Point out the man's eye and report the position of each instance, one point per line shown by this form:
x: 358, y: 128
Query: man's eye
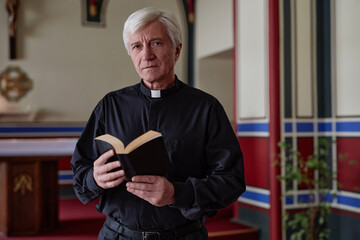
x: 157, y: 43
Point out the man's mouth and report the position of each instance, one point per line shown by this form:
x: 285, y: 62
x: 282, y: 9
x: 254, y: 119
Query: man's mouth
x: 148, y: 67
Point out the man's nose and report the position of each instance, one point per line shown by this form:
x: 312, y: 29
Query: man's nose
x: 148, y: 54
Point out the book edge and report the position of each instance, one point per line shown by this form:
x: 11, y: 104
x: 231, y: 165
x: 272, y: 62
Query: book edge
x: 142, y: 139
x: 116, y: 143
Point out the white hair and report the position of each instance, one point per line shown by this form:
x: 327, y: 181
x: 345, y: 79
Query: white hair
x: 143, y: 17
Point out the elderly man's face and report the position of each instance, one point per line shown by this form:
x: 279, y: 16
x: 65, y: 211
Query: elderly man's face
x: 154, y: 55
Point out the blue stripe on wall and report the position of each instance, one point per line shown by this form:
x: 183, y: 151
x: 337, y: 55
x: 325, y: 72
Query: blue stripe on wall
x: 304, y: 127
x: 329, y: 198
x: 341, y: 199
x: 288, y: 127
x: 304, y: 198
x: 253, y: 127
x: 289, y: 200
x: 324, y: 127
x: 349, y: 201
x: 40, y: 129
x: 256, y: 196
x: 348, y: 127
x: 65, y: 177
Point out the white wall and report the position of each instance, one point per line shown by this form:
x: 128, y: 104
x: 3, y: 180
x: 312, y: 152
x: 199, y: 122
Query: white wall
x: 347, y: 55
x: 214, y: 27
x: 73, y: 66
x: 213, y: 50
x: 215, y: 75
x: 252, y: 59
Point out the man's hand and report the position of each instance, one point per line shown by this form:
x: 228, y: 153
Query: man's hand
x: 102, y: 176
x: 155, y: 189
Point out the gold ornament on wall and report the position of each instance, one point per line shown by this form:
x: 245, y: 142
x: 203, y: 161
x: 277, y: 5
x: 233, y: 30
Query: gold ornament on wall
x: 93, y: 12
x: 14, y: 84
x: 23, y: 183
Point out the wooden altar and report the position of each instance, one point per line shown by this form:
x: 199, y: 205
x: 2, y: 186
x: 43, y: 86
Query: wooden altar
x: 29, y: 191
x: 28, y: 195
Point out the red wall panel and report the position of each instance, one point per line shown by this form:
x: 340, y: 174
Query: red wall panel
x: 256, y: 161
x: 349, y: 175
x: 64, y: 163
x: 305, y: 146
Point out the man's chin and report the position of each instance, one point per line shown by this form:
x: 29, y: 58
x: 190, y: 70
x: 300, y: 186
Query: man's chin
x: 150, y: 81
x: 150, y: 78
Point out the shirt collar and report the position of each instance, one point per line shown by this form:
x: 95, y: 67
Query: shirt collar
x: 159, y: 93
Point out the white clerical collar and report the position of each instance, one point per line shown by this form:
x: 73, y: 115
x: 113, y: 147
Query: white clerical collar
x: 155, y: 93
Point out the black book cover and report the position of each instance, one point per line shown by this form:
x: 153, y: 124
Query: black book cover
x: 149, y: 158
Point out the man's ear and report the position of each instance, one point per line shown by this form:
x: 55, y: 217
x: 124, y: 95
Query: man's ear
x: 177, y: 51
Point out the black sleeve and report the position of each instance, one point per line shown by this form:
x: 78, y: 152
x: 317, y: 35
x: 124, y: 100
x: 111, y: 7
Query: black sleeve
x: 224, y: 182
x: 84, y: 156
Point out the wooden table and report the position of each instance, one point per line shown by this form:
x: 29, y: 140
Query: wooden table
x: 29, y: 194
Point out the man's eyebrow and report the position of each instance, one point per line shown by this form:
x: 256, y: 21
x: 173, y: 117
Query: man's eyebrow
x: 151, y: 40
x: 135, y: 43
x: 156, y: 39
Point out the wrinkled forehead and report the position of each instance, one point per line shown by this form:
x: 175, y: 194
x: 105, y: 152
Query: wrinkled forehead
x: 151, y: 30
x: 141, y: 26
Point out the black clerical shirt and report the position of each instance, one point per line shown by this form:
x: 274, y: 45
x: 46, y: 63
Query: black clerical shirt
x: 205, y: 155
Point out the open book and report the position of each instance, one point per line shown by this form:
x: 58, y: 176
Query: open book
x: 145, y: 155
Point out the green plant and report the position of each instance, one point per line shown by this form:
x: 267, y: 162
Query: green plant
x: 314, y: 175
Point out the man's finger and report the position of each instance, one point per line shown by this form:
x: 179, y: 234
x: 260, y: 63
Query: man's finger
x: 109, y: 180
x: 113, y: 175
x: 140, y: 193
x: 104, y: 157
x: 139, y: 186
x: 111, y: 166
x: 114, y: 183
x: 144, y: 179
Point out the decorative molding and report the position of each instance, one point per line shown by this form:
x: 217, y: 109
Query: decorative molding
x: 23, y: 183
x: 65, y: 177
x: 252, y: 64
x: 258, y: 197
x: 40, y: 130
x: 37, y: 147
x: 344, y: 200
x: 322, y: 127
x: 346, y: 55
x: 253, y: 129
x: 303, y: 54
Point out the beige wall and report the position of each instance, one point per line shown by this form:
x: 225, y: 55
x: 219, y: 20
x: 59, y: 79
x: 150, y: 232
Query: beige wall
x: 214, y: 27
x: 214, y: 50
x: 215, y: 76
x: 73, y: 66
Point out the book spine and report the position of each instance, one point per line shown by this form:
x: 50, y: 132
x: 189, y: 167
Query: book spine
x: 104, y: 147
x: 127, y: 165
